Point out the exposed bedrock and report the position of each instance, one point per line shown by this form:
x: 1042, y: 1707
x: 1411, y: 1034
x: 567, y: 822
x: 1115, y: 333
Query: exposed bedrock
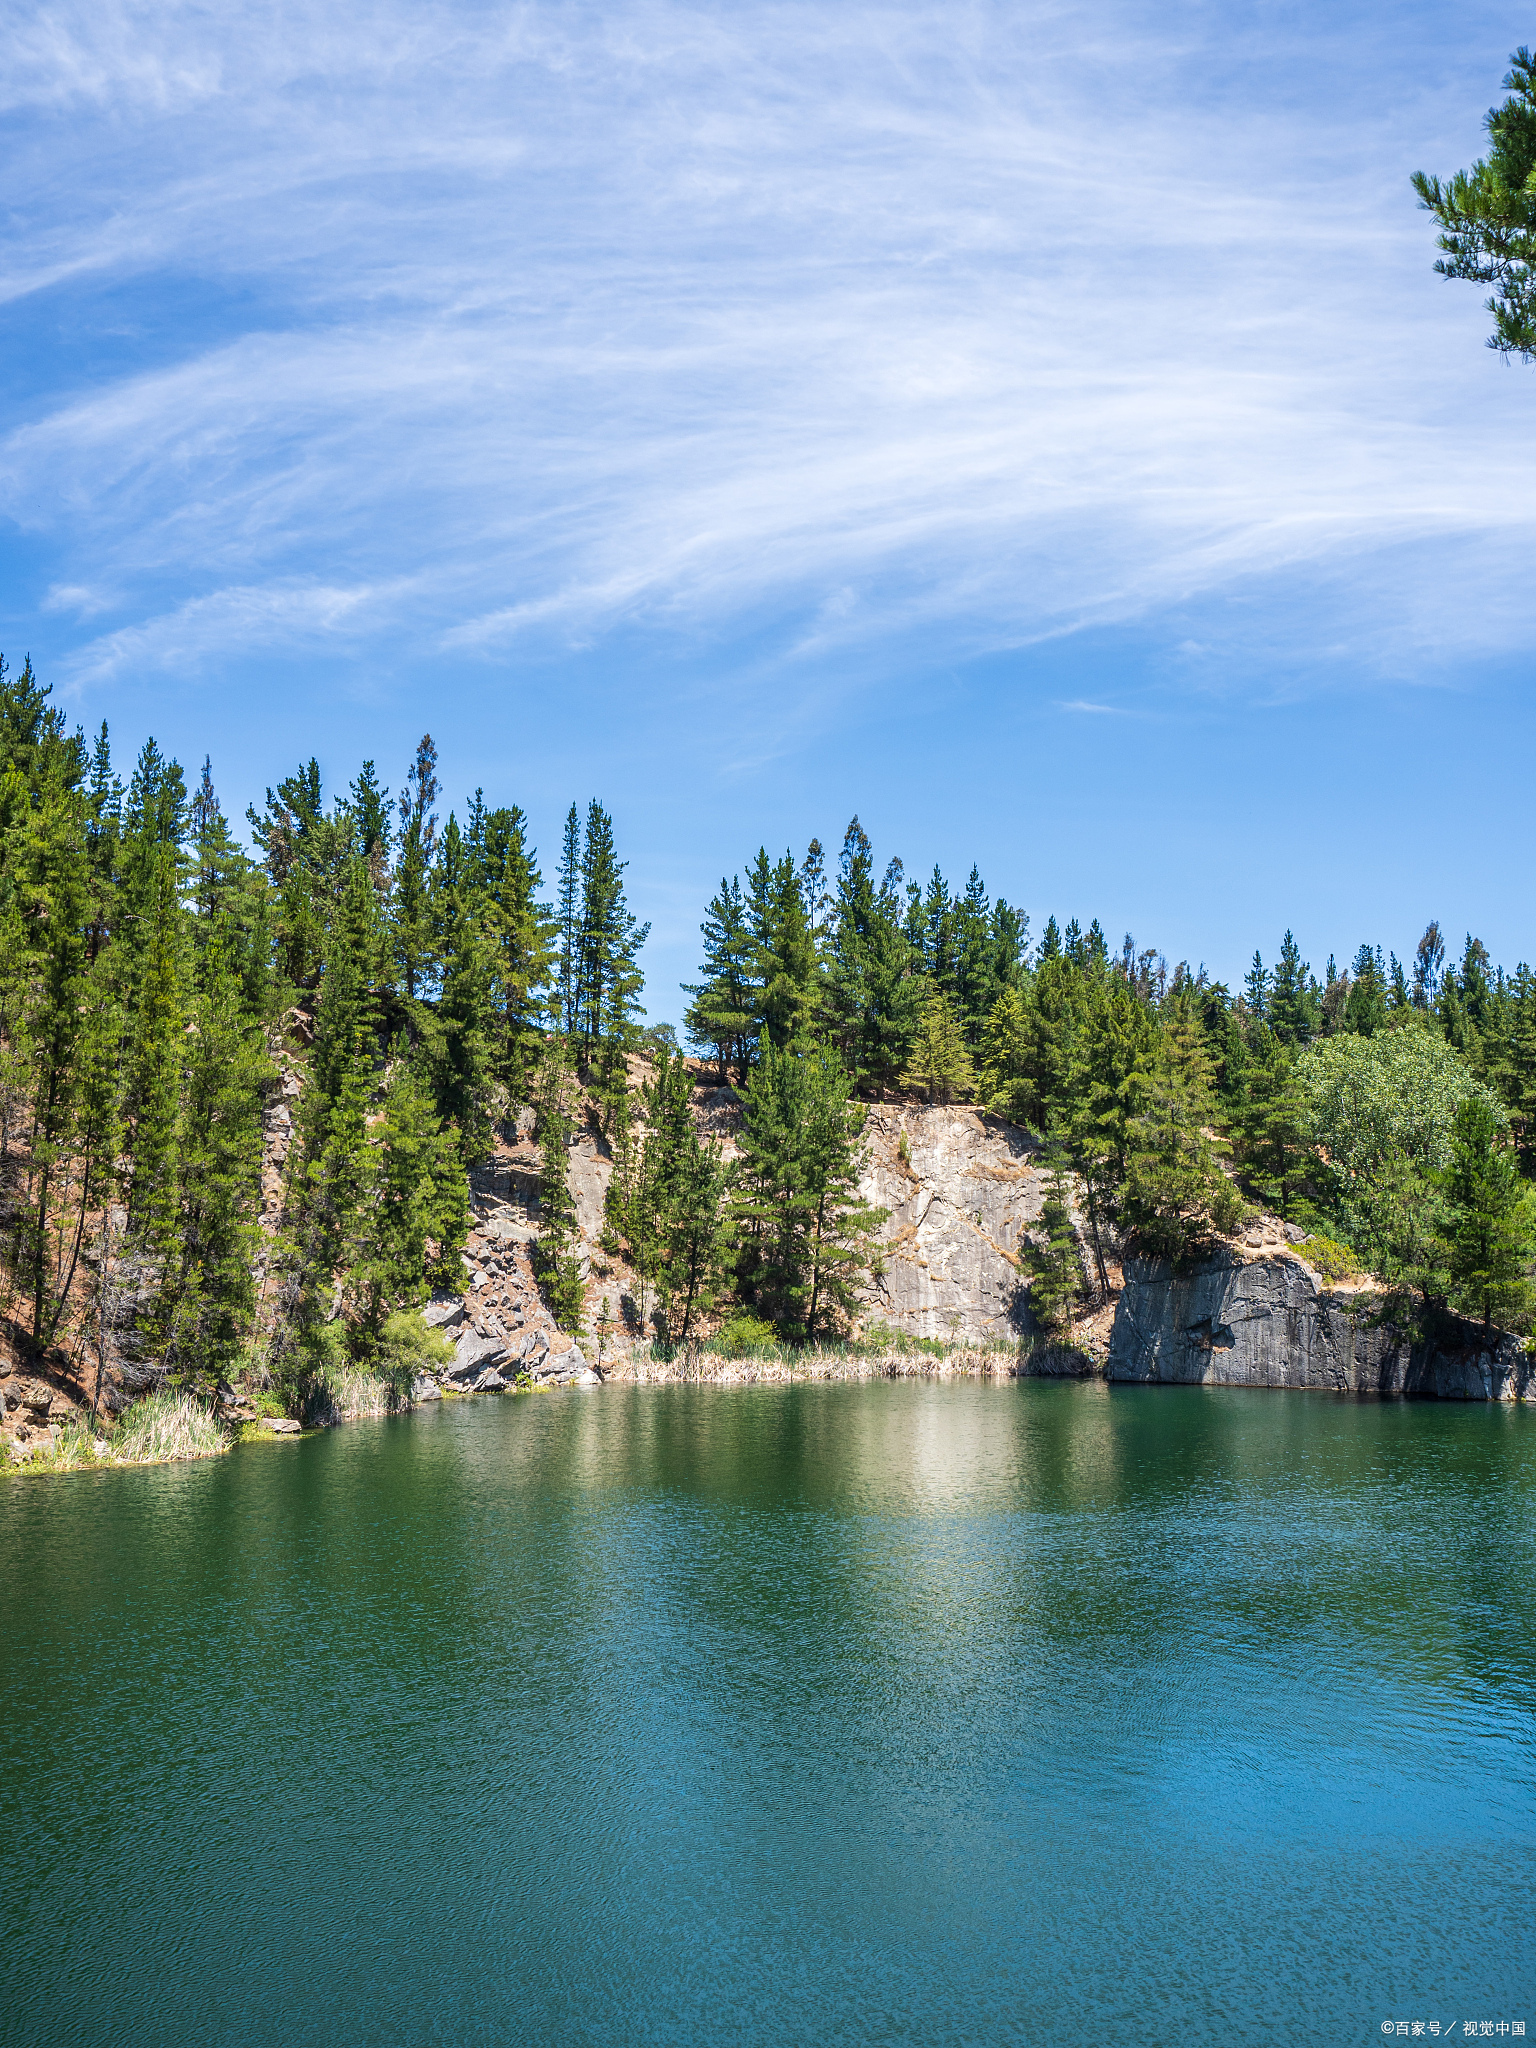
x: 962, y: 1193
x: 1272, y: 1322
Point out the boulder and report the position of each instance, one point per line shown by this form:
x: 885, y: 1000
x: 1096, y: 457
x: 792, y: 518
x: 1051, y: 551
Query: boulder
x: 443, y: 1312
x: 425, y: 1388
x: 474, y: 1352
x: 489, y: 1382
x: 281, y: 1425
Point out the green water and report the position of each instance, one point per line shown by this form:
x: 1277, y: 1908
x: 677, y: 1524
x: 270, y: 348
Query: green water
x: 855, y: 1714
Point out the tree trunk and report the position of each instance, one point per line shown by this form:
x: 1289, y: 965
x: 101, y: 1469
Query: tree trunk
x: 101, y: 1307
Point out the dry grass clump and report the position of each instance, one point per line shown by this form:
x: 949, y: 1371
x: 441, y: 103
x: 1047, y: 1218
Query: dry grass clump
x: 355, y: 1392
x: 74, y: 1447
x: 782, y: 1364
x: 167, y: 1425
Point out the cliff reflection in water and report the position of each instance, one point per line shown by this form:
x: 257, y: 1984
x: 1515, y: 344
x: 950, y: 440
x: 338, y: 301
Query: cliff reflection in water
x: 940, y: 1711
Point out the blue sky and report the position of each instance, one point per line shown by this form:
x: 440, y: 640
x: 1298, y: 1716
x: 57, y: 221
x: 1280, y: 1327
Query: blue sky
x: 1037, y: 429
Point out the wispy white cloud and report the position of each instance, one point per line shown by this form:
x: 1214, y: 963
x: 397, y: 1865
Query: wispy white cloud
x: 1000, y: 321
x: 185, y: 640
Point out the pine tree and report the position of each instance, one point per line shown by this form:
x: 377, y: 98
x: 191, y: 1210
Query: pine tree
x: 1007, y: 1082
x: 721, y: 1016
x: 49, y: 890
x: 330, y: 1166
x: 1110, y: 1067
x: 208, y: 1301
x: 1294, y: 1007
x: 1256, y: 987
x: 939, y: 1065
x: 151, y: 862
x: 368, y: 803
x: 1365, y: 1010
x: 609, y: 975
x: 1056, y: 1274
x: 1487, y: 215
x: 466, y: 1011
x: 521, y: 933
x: 558, y: 1258
x: 872, y: 994
x: 568, y: 920
x: 1490, y: 1229
x: 1428, y: 960
x: 103, y: 840
x: 783, y: 954
x: 226, y: 893
x: 413, y: 907
x: 1273, y: 1127
x: 804, y: 1239
x: 155, y: 1073
x: 307, y: 857
x: 694, y: 1239
x: 1173, y: 1176
x: 410, y: 1228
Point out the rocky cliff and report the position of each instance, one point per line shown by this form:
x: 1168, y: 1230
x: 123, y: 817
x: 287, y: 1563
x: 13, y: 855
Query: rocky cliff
x: 1271, y: 1321
x: 963, y: 1191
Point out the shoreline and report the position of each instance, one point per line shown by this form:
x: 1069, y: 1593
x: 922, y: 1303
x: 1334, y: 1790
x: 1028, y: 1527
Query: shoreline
x: 991, y: 1362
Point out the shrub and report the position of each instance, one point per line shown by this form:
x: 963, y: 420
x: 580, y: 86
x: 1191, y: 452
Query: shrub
x: 1228, y: 1210
x: 743, y: 1335
x: 1330, y: 1259
x: 408, y: 1347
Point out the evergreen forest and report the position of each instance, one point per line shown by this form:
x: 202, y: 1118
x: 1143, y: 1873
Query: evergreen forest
x: 392, y: 989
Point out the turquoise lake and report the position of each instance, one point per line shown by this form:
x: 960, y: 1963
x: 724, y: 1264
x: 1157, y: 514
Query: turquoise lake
x: 914, y: 1712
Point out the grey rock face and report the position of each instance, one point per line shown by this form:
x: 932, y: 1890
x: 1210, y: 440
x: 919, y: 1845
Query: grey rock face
x: 443, y: 1312
x: 473, y: 1352
x: 961, y: 1202
x: 1272, y: 1323
x: 425, y: 1388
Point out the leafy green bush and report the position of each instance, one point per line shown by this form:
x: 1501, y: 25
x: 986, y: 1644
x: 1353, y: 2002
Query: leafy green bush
x: 407, y: 1347
x: 743, y: 1335
x: 1394, y: 1093
x: 1332, y: 1260
x: 1228, y: 1210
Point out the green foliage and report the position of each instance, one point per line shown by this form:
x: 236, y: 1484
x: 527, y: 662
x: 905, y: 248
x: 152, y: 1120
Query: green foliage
x: 1331, y: 1260
x: 208, y: 1292
x: 939, y: 1063
x: 1274, y: 1125
x: 721, y: 1019
x: 558, y: 1258
x: 406, y: 1349
x: 504, y: 881
x: 413, y: 924
x: 1490, y: 1218
x: 608, y: 976
x: 664, y: 1201
x: 464, y: 1042
x: 1487, y: 215
x: 803, y: 1239
x: 743, y: 1336
x: 412, y: 1218
x: 1226, y: 1207
x: 1368, y: 1101
x: 1053, y: 1262
x: 1173, y: 1176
